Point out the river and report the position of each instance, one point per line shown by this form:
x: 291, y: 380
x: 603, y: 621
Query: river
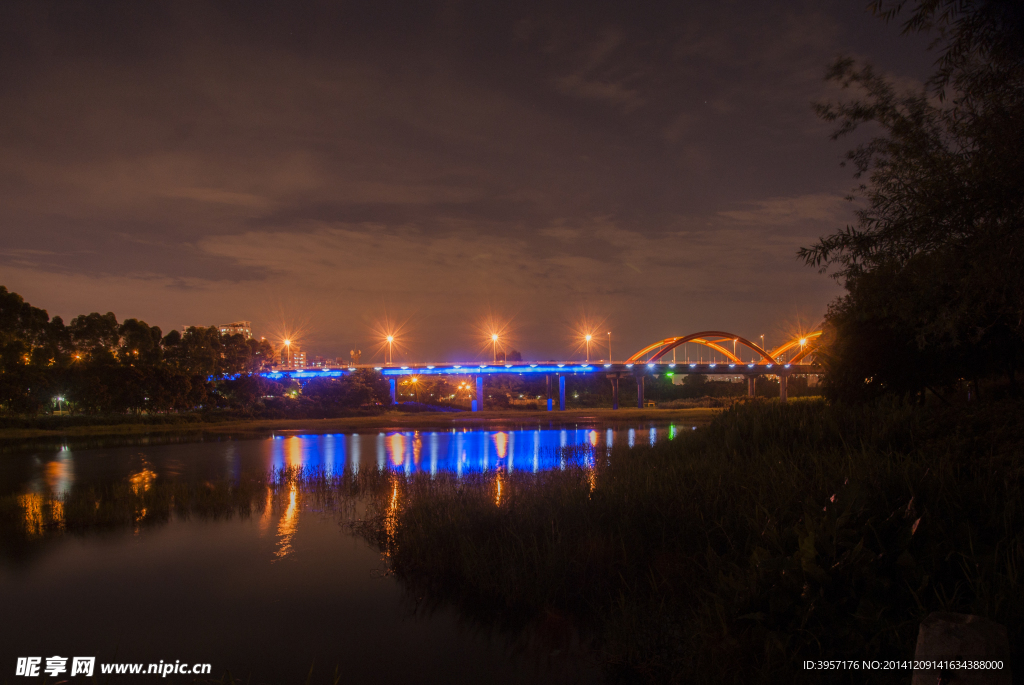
x: 265, y: 595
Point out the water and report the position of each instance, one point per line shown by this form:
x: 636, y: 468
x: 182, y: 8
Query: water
x: 268, y: 595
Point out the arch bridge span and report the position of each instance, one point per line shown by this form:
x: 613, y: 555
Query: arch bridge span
x: 649, y: 360
x: 716, y: 340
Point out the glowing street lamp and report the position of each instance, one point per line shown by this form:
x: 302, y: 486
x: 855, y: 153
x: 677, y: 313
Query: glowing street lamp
x: 494, y: 345
x: 588, y: 337
x: 609, y: 346
x: 391, y: 350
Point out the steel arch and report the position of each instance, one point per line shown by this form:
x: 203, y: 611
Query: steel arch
x: 712, y: 339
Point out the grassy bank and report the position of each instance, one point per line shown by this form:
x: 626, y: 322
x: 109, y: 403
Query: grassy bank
x: 388, y: 420
x: 778, y: 533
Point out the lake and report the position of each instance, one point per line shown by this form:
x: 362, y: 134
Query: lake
x: 266, y: 593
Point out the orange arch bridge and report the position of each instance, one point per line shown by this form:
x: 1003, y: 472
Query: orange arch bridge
x: 772, y: 361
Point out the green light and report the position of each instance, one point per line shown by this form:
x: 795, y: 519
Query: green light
x: 669, y: 374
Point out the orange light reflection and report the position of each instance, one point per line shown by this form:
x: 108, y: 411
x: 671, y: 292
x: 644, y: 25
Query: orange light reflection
x: 397, y: 449
x: 501, y: 444
x: 288, y: 523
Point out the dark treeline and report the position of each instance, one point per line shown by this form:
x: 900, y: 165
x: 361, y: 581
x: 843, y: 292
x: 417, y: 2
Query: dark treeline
x: 97, y: 365
x: 934, y: 265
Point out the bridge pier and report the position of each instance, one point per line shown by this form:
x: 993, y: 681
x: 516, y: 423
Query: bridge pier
x: 561, y: 393
x: 751, y: 385
x: 479, y: 393
x: 615, y: 391
x: 547, y: 379
x: 394, y: 389
x: 783, y: 388
x: 639, y: 391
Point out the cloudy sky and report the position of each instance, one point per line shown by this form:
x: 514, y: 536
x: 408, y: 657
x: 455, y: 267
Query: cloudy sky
x: 652, y: 166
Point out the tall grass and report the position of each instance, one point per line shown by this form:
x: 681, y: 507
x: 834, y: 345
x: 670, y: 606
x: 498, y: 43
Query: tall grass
x: 778, y: 533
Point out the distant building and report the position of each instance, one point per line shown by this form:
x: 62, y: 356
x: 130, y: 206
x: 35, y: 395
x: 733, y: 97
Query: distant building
x: 236, y: 328
x: 233, y: 328
x: 291, y: 357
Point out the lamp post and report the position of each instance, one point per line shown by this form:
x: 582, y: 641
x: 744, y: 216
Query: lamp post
x: 588, y: 338
x: 609, y: 346
x: 762, y: 341
x: 494, y: 346
x: 391, y: 351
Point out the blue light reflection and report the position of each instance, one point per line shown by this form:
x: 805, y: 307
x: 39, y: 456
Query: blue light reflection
x: 459, y: 451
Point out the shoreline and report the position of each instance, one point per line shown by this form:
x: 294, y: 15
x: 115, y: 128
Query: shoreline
x: 9, y: 437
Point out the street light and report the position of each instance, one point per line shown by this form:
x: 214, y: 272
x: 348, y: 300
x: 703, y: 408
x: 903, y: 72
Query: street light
x: 391, y: 351
x: 494, y: 345
x: 609, y: 346
x: 588, y: 338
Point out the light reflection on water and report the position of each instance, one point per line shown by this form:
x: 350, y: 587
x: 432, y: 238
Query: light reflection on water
x: 41, y: 482
x: 459, y: 451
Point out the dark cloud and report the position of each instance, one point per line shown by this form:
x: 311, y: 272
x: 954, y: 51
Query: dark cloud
x: 655, y: 165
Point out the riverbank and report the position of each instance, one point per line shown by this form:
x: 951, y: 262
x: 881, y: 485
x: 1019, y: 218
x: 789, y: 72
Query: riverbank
x: 387, y: 421
x: 777, y: 534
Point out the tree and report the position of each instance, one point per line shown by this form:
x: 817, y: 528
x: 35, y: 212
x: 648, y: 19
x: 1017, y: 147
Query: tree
x: 934, y: 267
x: 25, y: 348
x: 363, y: 387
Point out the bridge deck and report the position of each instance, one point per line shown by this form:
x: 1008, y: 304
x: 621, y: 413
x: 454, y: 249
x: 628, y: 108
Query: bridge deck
x: 559, y: 368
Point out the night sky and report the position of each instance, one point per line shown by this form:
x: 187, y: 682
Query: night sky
x: 651, y: 166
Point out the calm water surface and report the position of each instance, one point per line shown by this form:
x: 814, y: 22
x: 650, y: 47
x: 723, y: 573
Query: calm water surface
x: 269, y: 595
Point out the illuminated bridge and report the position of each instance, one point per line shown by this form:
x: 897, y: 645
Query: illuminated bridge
x: 789, y: 359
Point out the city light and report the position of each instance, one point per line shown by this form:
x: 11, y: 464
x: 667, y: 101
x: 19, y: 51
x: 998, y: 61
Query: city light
x: 496, y: 332
x: 583, y: 332
x: 392, y: 337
